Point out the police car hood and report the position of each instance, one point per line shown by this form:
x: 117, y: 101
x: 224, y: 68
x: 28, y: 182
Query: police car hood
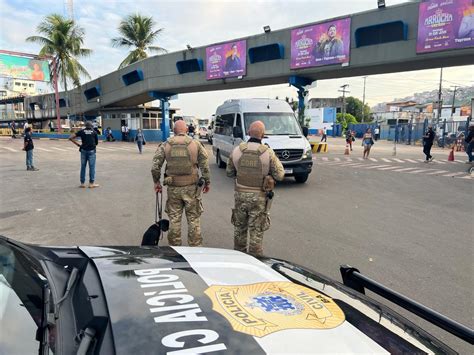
x: 200, y: 300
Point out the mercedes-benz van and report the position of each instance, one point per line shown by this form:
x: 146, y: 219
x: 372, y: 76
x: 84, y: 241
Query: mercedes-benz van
x: 282, y: 133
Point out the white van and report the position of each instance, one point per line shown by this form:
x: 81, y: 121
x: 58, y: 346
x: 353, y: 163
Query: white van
x: 282, y: 133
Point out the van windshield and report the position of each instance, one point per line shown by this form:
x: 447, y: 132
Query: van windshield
x: 276, y: 123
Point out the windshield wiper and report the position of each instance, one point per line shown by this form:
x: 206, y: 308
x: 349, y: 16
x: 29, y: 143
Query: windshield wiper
x: 70, y: 283
x: 42, y: 333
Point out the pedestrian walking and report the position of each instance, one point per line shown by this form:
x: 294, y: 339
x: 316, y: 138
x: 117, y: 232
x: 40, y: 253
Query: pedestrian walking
x: 13, y: 128
x: 185, y: 158
x: 123, y: 132
x: 376, y: 133
x: 349, y: 138
x: 127, y: 132
x: 191, y: 130
x: 28, y: 147
x: 325, y: 135
x: 50, y: 125
x: 255, y: 168
x: 470, y: 143
x: 89, y: 141
x: 428, y: 139
x: 367, y: 142
x: 140, y: 139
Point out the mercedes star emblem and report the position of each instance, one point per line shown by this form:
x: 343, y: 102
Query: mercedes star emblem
x: 285, y: 154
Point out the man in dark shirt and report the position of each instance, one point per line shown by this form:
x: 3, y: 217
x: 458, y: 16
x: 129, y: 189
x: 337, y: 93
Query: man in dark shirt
x: 428, y: 139
x: 89, y: 141
x: 470, y: 143
x: 28, y: 147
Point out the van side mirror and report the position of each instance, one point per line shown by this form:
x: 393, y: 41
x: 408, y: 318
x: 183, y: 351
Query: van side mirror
x: 237, y: 132
x: 305, y: 131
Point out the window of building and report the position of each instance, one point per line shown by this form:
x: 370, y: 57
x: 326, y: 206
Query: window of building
x: 25, y: 84
x: 17, y: 84
x: 146, y: 114
x: 31, y: 85
x: 153, y: 115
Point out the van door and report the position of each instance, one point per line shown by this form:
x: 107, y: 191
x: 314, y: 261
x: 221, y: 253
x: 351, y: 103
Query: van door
x: 238, y: 123
x: 224, y: 141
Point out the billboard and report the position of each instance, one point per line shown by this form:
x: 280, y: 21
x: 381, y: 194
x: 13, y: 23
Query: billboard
x: 226, y: 60
x: 445, y: 24
x: 23, y: 68
x: 321, y: 44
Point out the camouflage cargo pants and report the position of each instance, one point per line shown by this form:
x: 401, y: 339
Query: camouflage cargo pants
x: 179, y: 198
x: 250, y: 221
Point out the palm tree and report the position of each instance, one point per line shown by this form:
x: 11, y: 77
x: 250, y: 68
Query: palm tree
x: 63, y: 40
x: 137, y: 32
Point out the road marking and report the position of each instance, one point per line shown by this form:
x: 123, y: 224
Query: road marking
x: 398, y: 160
x: 418, y: 171
x: 375, y: 166
x: 458, y: 161
x: 411, y: 160
x: 348, y: 159
x: 455, y: 174
x: 361, y: 159
x: 355, y: 164
x: 324, y: 158
x: 420, y: 160
x: 389, y: 167
x: 386, y: 160
x: 337, y: 159
x: 468, y: 176
x: 404, y: 169
x: 11, y: 149
x: 439, y: 161
x: 60, y: 149
x: 373, y: 159
x: 43, y: 149
x: 437, y: 172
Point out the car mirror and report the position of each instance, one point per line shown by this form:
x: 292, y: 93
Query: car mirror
x: 237, y: 132
x: 305, y: 131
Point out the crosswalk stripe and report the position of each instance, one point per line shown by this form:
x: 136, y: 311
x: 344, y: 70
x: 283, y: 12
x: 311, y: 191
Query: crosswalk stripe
x: 438, y: 161
x: 411, y: 160
x: 42, y: 149
x: 398, y: 160
x: 389, y: 168
x: 421, y: 160
x: 324, y: 158
x: 337, y: 159
x: 11, y: 149
x: 355, y: 164
x: 404, y: 169
x: 60, y: 149
x: 361, y: 159
x: 386, y: 160
x: 418, y: 171
x: 458, y: 161
x: 455, y: 174
x: 469, y: 176
x: 348, y: 159
x: 373, y: 159
x: 437, y: 172
x: 375, y: 166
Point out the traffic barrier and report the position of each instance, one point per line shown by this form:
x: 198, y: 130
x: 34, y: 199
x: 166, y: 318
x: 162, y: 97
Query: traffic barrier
x: 451, y: 154
x: 347, y: 152
x: 317, y: 147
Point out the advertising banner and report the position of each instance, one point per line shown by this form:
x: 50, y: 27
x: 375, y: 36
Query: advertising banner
x: 23, y: 68
x: 226, y: 60
x: 321, y: 44
x: 445, y: 24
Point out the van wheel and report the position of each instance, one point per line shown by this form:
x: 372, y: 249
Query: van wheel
x: 219, y: 161
x: 301, y: 178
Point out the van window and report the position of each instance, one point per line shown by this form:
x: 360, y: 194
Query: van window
x: 224, y: 124
x: 238, y: 122
x: 276, y: 123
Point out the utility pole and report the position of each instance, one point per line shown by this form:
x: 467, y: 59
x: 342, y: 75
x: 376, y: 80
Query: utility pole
x: 439, y: 95
x: 454, y: 99
x: 363, y: 102
x: 344, y: 100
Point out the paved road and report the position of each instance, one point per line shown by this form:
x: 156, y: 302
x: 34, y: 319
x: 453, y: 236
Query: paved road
x: 410, y: 229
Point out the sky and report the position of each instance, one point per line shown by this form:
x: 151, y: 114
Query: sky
x: 199, y: 23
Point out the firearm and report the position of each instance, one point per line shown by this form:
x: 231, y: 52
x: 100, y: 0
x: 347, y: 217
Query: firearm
x: 268, y: 186
x: 200, y: 184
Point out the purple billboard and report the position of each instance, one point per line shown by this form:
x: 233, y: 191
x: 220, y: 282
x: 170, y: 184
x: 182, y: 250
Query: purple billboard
x: 226, y: 60
x: 321, y: 44
x: 445, y: 24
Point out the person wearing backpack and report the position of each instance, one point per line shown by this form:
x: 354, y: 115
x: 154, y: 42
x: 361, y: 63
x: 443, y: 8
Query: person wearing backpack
x: 255, y: 168
x: 185, y: 159
x: 28, y: 147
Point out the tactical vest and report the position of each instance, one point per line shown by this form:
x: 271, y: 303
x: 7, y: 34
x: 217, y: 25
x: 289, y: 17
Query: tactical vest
x: 252, y: 161
x: 181, y: 154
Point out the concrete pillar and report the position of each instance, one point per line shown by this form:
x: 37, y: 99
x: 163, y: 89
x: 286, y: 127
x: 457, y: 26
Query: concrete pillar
x: 165, y: 119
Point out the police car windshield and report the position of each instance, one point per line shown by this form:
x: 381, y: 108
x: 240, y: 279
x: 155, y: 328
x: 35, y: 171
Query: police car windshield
x: 276, y: 123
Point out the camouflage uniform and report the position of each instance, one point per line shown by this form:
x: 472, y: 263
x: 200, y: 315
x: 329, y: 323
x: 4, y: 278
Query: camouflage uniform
x: 187, y: 197
x: 249, y: 216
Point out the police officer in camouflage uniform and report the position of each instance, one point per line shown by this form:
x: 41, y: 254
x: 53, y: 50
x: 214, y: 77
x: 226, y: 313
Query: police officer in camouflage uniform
x: 184, y: 158
x: 254, y: 166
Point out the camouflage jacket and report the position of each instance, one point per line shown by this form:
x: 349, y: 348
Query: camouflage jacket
x: 160, y: 158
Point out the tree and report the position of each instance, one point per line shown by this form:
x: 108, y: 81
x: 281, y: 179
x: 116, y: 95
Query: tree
x: 137, y: 32
x: 356, y: 108
x: 293, y: 104
x: 63, y: 40
x: 346, y: 120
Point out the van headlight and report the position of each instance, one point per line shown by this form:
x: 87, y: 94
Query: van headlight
x: 308, y: 154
